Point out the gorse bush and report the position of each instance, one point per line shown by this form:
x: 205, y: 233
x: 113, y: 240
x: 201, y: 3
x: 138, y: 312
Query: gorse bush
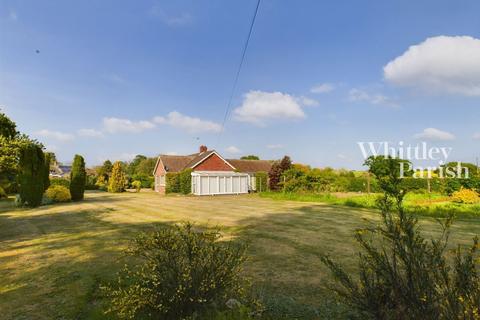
x: 78, y: 178
x: 467, y: 196
x: 180, y: 272
x: 58, y: 193
x: 402, y: 275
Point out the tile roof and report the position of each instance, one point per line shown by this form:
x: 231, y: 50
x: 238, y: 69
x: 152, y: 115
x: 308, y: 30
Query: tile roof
x: 251, y: 165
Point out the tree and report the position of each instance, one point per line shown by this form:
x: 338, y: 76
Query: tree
x: 275, y: 174
x: 402, y: 275
x: 31, y: 175
x: 8, y: 128
x: 106, y: 169
x: 46, y: 172
x: 146, y: 166
x: 132, y: 166
x: 117, y: 179
x: 78, y: 177
x: 250, y: 157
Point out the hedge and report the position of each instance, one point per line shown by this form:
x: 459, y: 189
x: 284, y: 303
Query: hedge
x: 179, y: 182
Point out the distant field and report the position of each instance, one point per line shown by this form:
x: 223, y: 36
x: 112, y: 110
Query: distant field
x: 436, y: 205
x: 53, y: 258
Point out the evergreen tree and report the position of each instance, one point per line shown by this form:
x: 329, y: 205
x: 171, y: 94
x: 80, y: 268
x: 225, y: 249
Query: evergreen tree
x: 46, y: 172
x: 78, y: 178
x: 31, y: 175
x: 117, y: 179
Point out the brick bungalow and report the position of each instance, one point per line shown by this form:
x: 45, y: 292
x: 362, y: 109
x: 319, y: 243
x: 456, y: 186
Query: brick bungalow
x: 211, y: 173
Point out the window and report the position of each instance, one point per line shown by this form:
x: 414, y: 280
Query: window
x: 161, y: 180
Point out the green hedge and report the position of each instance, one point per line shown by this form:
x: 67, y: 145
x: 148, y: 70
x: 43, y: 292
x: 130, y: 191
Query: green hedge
x: 179, y: 182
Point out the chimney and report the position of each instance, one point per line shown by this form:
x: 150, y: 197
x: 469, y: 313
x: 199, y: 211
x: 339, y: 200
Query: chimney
x: 203, y: 148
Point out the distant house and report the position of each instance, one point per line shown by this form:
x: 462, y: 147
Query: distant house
x: 60, y: 171
x: 211, y: 173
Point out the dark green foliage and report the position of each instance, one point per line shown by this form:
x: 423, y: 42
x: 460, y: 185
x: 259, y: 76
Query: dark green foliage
x: 8, y: 128
x: 46, y: 174
x: 179, y: 182
x: 3, y: 194
x: 78, y: 178
x: 132, y: 166
x: 185, y: 181
x: 179, y: 272
x: 31, y: 175
x: 146, y: 166
x: 403, y: 275
x: 91, y: 183
x: 261, y: 181
x: 105, y: 170
x: 276, y: 172
x: 250, y: 157
x: 172, y: 184
x: 145, y: 180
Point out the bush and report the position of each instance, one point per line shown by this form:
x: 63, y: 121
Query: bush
x: 3, y: 194
x: 145, y: 180
x: 179, y: 272
x: 117, y: 180
x: 60, y: 182
x: 172, y: 183
x: 402, y: 275
x: 137, y: 185
x: 31, y: 175
x: 78, y: 178
x: 185, y: 181
x: 58, y: 194
x: 465, y: 196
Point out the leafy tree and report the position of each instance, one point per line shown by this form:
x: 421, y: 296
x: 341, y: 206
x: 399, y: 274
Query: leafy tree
x: 402, y: 275
x: 105, y: 170
x: 78, y: 178
x: 117, y: 179
x: 8, y: 128
x: 31, y: 175
x: 250, y: 157
x: 146, y: 166
x: 132, y: 166
x: 275, y: 174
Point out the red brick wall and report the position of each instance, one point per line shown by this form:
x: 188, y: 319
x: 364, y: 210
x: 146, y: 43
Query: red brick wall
x: 213, y: 163
x: 160, y: 169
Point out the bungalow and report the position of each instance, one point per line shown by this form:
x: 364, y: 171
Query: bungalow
x: 211, y: 173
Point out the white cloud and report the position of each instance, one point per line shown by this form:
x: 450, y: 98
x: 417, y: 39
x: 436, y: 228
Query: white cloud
x: 190, y: 124
x: 357, y: 95
x: 90, y: 133
x: 308, y: 102
x: 233, y: 150
x: 259, y: 106
x: 274, y: 146
x: 322, y: 88
x: 114, y: 125
x: 56, y: 135
x: 438, y: 65
x: 476, y: 136
x: 181, y: 19
x: 434, y: 134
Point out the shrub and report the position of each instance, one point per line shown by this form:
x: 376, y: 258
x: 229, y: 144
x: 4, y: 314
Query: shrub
x: 172, y: 182
x: 179, y: 272
x: 145, y: 180
x: 261, y: 181
x: 58, y: 194
x: 60, y: 182
x: 3, y: 194
x: 276, y: 172
x: 101, y: 183
x: 78, y: 178
x: 117, y: 180
x: 185, y: 181
x: 402, y: 275
x: 31, y: 175
x: 137, y: 185
x: 91, y: 183
x: 465, y: 196
x: 46, y: 173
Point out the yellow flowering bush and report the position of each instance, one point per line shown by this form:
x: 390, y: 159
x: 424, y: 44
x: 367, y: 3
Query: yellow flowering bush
x: 467, y: 196
x: 179, y: 272
x: 57, y: 193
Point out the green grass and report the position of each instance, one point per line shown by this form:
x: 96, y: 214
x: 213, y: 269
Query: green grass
x: 435, y: 205
x: 54, y: 258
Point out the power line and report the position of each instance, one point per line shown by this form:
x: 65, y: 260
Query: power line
x: 227, y: 111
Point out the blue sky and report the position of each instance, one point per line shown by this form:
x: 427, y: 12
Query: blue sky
x: 117, y: 78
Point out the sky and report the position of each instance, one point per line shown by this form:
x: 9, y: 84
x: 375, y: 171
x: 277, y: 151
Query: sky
x: 112, y: 79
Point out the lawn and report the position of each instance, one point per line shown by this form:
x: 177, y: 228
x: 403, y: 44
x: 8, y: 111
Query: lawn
x: 54, y: 258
